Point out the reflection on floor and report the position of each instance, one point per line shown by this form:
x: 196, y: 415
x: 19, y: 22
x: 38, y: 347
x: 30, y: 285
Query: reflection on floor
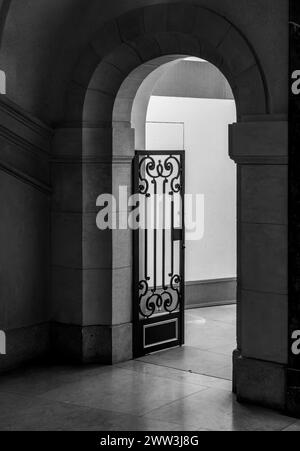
x: 139, y: 395
x: 209, y: 343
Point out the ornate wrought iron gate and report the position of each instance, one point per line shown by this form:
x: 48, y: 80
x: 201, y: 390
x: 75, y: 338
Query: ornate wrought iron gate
x: 159, y: 244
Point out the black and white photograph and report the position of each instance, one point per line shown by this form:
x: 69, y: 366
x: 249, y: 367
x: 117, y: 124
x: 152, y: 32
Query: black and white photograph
x: 149, y: 219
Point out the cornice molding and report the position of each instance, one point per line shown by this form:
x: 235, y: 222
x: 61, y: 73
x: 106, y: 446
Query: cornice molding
x: 23, y: 116
x: 263, y: 142
x: 23, y: 128
x: 18, y: 141
x: 25, y: 146
x: 25, y: 178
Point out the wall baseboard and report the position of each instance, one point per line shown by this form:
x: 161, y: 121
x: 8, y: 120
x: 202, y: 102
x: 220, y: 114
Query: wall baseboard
x: 91, y: 344
x: 25, y: 145
x: 209, y: 293
x: 57, y: 342
x: 24, y: 345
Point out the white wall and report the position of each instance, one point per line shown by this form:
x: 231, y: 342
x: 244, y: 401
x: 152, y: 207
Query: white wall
x: 209, y: 171
x: 165, y: 135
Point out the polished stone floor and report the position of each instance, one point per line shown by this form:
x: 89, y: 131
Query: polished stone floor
x: 181, y: 389
x: 209, y: 343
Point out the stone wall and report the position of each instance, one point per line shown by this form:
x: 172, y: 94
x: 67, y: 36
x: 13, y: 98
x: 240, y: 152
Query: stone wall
x: 25, y: 196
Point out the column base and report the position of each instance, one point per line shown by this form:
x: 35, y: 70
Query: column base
x: 293, y: 392
x: 259, y: 382
x: 92, y: 344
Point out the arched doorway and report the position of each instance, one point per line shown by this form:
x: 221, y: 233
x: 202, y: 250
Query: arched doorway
x: 206, y: 271
x: 189, y: 109
x: 99, y: 158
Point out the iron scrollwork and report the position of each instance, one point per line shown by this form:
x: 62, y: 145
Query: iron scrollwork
x: 166, y: 299
x: 150, y: 170
x: 157, y: 301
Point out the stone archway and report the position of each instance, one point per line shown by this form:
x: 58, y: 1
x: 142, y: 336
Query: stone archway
x: 131, y: 103
x: 93, y: 313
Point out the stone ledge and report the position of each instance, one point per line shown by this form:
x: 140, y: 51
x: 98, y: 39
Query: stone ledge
x: 259, y: 142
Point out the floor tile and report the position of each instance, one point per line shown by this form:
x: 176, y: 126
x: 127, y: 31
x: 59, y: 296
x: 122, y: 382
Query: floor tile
x: 295, y: 427
x: 225, y: 349
x: 123, y: 391
x: 218, y: 410
x: 37, y: 380
x: 224, y: 314
x: 37, y: 414
x: 207, y: 334
x: 182, y: 389
x: 179, y: 375
x: 191, y: 359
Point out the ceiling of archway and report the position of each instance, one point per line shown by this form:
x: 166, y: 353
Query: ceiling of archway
x: 193, y: 77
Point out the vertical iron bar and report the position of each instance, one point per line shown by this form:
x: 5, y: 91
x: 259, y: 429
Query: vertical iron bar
x: 137, y: 345
x: 172, y: 231
x: 155, y: 236
x: 146, y: 239
x: 182, y: 250
x: 164, y: 237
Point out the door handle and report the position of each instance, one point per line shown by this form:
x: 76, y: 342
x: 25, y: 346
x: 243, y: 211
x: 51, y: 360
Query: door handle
x: 177, y: 234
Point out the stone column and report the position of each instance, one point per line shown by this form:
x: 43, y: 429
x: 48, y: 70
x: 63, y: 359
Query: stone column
x: 91, y: 309
x: 260, y: 150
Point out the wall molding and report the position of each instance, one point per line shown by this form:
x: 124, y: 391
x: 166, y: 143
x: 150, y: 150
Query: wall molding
x: 209, y: 293
x: 109, y: 160
x: 17, y: 114
x: 25, y: 178
x: 19, y: 141
x: 261, y: 142
x: 25, y: 146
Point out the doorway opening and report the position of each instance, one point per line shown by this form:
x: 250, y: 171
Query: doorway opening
x: 189, y: 110
x: 112, y: 77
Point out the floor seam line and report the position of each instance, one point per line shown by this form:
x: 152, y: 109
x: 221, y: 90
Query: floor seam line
x: 184, y: 371
x: 173, y: 402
